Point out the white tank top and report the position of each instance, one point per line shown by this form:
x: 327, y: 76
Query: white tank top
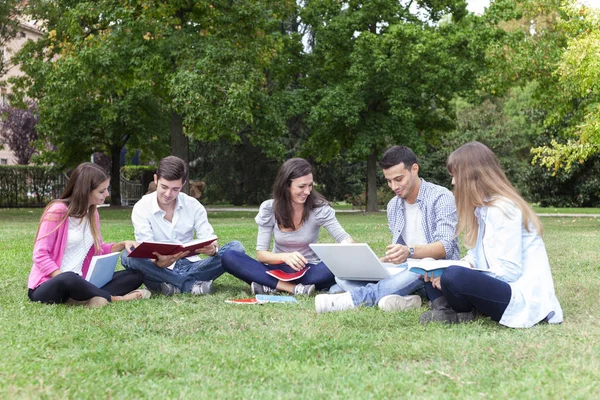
x: 79, y: 241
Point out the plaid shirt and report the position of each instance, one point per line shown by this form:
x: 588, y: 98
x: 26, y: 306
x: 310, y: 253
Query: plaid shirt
x: 439, y: 217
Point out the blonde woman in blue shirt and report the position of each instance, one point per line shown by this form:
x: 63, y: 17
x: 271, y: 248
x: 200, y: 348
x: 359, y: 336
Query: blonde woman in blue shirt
x: 510, y: 279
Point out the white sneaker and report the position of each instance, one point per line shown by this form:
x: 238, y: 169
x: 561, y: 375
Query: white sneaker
x: 395, y: 302
x: 333, y: 302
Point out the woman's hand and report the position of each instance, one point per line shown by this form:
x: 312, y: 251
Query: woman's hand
x: 128, y: 245
x: 435, y: 282
x: 294, y: 260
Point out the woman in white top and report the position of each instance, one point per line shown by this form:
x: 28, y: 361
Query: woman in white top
x: 292, y: 219
x: 510, y: 280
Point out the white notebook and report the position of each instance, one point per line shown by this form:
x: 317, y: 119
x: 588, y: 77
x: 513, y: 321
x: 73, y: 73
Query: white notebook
x: 102, y: 269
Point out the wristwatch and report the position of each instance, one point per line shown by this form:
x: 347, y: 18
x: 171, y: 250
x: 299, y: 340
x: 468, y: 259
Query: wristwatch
x: 411, y: 251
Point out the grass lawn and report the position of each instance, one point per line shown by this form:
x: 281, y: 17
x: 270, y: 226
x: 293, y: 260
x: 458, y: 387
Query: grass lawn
x: 201, y: 347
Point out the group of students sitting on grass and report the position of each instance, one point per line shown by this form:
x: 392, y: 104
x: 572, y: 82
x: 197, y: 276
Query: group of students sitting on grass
x: 509, y: 279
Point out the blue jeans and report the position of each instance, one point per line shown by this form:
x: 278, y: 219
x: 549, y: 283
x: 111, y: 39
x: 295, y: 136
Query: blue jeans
x: 250, y: 270
x: 467, y: 289
x: 369, y: 293
x: 185, y: 273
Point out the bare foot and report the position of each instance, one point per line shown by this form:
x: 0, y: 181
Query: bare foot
x: 133, y: 295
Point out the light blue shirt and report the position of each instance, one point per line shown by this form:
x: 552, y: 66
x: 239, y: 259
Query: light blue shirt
x: 507, y: 251
x: 439, y: 217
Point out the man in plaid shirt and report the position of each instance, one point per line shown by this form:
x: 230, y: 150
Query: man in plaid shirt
x: 422, y: 219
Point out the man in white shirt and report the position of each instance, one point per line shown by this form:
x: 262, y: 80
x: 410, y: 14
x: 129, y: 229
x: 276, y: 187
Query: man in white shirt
x: 168, y: 215
x: 422, y: 219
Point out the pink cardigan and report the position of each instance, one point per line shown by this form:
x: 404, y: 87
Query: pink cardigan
x: 49, y: 250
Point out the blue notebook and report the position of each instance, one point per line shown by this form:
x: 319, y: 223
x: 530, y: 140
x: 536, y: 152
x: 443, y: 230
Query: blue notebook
x: 430, y: 266
x: 266, y: 298
x: 102, y: 269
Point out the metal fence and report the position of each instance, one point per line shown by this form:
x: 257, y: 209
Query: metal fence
x: 27, y: 186
x: 131, y: 192
x: 33, y: 186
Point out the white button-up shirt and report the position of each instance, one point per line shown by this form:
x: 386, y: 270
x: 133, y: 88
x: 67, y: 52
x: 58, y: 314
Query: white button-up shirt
x: 190, y: 216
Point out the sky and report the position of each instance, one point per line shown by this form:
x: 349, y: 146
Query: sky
x: 477, y: 6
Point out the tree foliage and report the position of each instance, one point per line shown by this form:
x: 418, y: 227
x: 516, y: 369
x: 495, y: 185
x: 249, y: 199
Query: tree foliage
x: 380, y: 74
x: 555, y: 45
x: 18, y: 129
x: 199, y: 66
x: 578, y: 73
x: 90, y: 99
x: 9, y: 24
x: 510, y: 125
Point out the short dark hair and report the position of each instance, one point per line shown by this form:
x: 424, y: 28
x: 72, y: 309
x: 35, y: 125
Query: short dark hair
x: 172, y: 168
x: 398, y: 155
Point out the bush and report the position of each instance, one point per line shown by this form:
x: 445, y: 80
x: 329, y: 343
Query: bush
x: 136, y: 172
x: 579, y: 187
x: 29, y: 186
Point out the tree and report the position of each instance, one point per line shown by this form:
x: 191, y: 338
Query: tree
x: 578, y: 74
x: 510, y: 125
x: 9, y: 24
x: 18, y: 129
x: 380, y: 74
x: 555, y: 45
x: 89, y: 99
x: 201, y: 65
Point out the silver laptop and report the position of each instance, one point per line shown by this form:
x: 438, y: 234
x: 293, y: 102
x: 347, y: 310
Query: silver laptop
x: 354, y: 261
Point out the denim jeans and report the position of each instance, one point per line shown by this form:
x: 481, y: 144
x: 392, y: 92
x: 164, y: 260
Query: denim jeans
x: 467, y: 289
x: 369, y: 293
x: 250, y: 270
x: 185, y: 272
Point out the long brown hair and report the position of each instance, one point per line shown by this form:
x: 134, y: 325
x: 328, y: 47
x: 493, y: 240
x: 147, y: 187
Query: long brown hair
x: 478, y: 179
x: 282, y: 204
x: 83, y: 180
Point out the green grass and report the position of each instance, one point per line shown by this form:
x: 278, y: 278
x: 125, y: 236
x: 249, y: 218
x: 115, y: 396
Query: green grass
x: 558, y: 210
x: 201, y: 347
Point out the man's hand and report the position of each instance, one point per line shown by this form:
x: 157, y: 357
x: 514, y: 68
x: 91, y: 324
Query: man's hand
x: 209, y: 249
x: 396, y: 254
x: 164, y: 261
x: 294, y: 260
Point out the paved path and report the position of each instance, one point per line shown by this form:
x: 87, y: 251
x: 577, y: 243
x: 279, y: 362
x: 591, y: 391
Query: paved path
x: 255, y: 209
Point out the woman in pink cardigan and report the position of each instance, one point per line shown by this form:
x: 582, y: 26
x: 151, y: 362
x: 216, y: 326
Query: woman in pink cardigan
x: 67, y: 239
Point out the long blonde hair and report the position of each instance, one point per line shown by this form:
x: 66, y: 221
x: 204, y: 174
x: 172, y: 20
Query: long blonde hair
x: 478, y: 181
x: 83, y: 180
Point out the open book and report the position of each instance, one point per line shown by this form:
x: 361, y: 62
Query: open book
x: 429, y: 265
x: 287, y: 276
x: 102, y: 268
x: 145, y: 249
x: 264, y: 298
